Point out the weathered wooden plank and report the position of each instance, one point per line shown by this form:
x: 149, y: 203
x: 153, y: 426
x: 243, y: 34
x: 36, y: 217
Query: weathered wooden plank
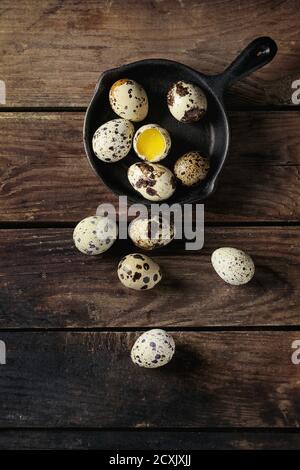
x: 61, y: 439
x: 53, y: 52
x: 45, y: 175
x: 87, y: 379
x: 46, y: 282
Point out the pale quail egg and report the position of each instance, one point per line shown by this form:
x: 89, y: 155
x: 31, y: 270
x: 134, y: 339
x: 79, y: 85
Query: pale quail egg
x: 128, y: 100
x: 95, y: 234
x: 186, y: 102
x: 149, y: 233
x: 233, y: 266
x: 191, y: 168
x: 154, y: 348
x: 138, y: 272
x: 152, y: 180
x: 152, y: 143
x: 112, y: 141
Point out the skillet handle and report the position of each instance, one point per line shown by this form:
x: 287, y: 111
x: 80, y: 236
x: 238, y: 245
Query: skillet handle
x: 257, y: 54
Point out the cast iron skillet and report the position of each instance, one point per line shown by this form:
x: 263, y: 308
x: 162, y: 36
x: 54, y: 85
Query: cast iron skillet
x: 210, y: 135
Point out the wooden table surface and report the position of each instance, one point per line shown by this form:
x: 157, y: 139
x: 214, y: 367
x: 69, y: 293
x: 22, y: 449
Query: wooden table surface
x: 67, y: 322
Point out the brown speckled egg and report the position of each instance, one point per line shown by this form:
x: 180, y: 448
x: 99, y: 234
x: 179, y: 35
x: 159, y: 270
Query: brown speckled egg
x: 186, y: 102
x: 191, y: 168
x: 113, y: 140
x: 128, y: 100
x: 138, y: 272
x: 233, y: 266
x: 94, y: 235
x: 152, y: 180
x: 149, y: 233
x: 154, y: 348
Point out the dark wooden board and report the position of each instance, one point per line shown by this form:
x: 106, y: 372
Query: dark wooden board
x: 78, y: 389
x: 46, y: 282
x: 223, y: 379
x: 45, y: 176
x: 61, y: 439
x: 52, y: 52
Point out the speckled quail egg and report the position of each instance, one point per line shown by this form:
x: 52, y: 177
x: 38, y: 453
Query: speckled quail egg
x: 152, y: 143
x: 128, y: 100
x: 191, y: 168
x: 186, y: 102
x: 112, y: 141
x: 154, y: 348
x: 149, y: 233
x: 233, y: 266
x: 95, y: 234
x: 152, y: 180
x: 138, y: 272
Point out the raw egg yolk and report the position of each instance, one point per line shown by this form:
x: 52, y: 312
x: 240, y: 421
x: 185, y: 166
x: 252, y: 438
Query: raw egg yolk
x: 151, y: 144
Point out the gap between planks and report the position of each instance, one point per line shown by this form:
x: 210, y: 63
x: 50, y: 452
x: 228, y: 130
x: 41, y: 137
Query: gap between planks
x: 174, y: 329
x: 82, y: 109
x: 263, y: 430
x: 16, y: 225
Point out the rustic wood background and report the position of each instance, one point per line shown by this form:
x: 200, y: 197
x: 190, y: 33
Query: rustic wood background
x: 67, y: 322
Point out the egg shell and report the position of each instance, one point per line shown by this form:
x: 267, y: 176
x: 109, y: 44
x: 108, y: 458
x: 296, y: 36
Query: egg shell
x: 94, y: 235
x: 149, y: 233
x: 154, y: 348
x: 129, y: 100
x: 153, y: 181
x: 186, y: 102
x: 233, y: 266
x: 138, y: 272
x: 164, y: 133
x: 191, y: 168
x: 113, y: 140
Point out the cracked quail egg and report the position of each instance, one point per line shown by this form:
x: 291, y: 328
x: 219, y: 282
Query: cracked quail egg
x: 152, y: 180
x: 233, y: 266
x: 138, y: 272
x: 128, y: 100
x: 94, y: 235
x: 191, y: 168
x: 154, y: 348
x: 152, y: 143
x: 186, y: 102
x: 113, y: 140
x: 149, y: 233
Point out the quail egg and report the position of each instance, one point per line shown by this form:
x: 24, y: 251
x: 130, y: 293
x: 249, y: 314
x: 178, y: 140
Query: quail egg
x: 191, y: 168
x: 112, y: 141
x: 138, y: 272
x: 233, y: 266
x: 148, y: 233
x: 152, y: 143
x: 152, y: 180
x: 128, y: 100
x: 154, y: 348
x: 95, y: 234
x: 186, y: 102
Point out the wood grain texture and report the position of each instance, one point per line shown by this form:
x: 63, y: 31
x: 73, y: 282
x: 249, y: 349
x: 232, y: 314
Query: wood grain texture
x: 54, y: 51
x: 61, y: 439
x: 80, y: 389
x: 45, y: 175
x: 46, y: 282
x: 87, y: 379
